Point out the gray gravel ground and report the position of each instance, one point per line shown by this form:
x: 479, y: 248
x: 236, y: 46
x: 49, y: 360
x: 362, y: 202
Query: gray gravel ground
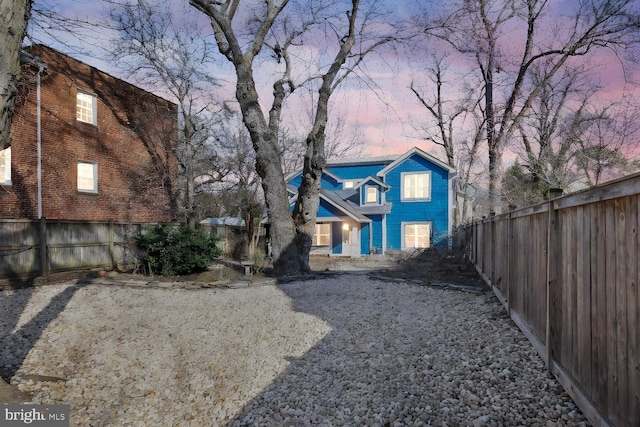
x: 404, y: 355
x: 341, y: 351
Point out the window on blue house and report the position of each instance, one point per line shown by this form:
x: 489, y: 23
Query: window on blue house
x: 416, y: 186
x: 322, y: 235
x: 371, y: 195
x: 416, y: 235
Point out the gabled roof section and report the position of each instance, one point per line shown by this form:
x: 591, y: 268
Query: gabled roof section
x: 324, y: 172
x: 350, y: 198
x: 421, y: 153
x: 225, y: 220
x: 361, y: 161
x: 332, y: 175
x: 371, y: 179
x: 333, y: 198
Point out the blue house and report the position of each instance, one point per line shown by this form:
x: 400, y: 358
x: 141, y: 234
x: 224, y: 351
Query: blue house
x: 374, y: 205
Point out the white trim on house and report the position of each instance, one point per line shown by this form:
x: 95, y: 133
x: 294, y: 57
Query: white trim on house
x: 384, y: 233
x: 324, y: 171
x: 451, y: 204
x: 416, y: 150
x: 375, y: 181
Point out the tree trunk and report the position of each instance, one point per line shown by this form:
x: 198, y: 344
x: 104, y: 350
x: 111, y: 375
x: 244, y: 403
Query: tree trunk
x: 492, y: 143
x: 14, y: 15
x: 304, y: 214
x: 286, y: 255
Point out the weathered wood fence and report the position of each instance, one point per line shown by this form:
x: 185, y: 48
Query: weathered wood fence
x: 567, y: 272
x: 39, y: 247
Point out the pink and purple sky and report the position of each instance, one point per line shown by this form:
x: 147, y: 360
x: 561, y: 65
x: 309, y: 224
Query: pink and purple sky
x: 383, y: 117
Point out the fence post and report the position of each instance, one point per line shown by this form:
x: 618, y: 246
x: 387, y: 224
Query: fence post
x: 44, y: 259
x: 551, y: 273
x: 492, y: 231
x: 111, y: 250
x: 509, y: 248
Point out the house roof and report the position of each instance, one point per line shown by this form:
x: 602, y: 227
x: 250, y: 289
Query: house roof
x: 391, y: 162
x: 226, y: 220
x: 337, y: 199
x: 361, y: 161
x: 421, y: 153
x: 369, y: 179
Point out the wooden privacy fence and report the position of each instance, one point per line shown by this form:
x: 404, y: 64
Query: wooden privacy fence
x: 567, y: 272
x: 38, y: 247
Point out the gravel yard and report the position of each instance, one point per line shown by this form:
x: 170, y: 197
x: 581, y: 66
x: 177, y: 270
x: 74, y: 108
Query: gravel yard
x: 342, y: 350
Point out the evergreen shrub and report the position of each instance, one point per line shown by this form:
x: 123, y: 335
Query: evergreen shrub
x: 171, y: 251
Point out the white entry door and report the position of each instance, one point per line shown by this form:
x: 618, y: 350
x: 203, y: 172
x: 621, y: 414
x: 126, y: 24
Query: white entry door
x: 351, y: 241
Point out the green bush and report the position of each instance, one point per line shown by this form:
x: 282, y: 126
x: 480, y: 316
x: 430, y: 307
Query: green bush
x: 172, y: 251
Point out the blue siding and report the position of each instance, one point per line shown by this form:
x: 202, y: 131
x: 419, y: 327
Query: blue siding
x: 295, y: 181
x: 376, y: 226
x: 364, y: 239
x: 328, y: 211
x: 336, y: 238
x: 330, y: 183
x: 435, y: 211
x: 357, y: 171
x: 327, y: 182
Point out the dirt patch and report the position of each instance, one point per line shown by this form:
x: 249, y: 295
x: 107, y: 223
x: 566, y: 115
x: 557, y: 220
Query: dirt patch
x: 426, y: 266
x: 431, y: 265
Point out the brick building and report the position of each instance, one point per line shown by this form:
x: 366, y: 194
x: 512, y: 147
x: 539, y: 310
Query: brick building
x: 107, y: 147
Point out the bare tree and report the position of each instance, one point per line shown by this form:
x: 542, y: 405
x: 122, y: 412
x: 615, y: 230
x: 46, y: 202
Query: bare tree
x: 240, y: 192
x: 555, y: 123
x: 484, y: 31
x: 452, y: 123
x: 568, y: 133
x: 340, y: 143
x: 443, y: 113
x: 165, y: 52
x: 242, y: 33
x: 14, y: 15
x: 609, y: 132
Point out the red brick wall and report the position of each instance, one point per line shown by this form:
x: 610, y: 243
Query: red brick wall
x: 132, y: 145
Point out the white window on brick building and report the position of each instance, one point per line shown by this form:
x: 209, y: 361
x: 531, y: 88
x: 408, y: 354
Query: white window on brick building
x: 86, y: 108
x: 5, y: 166
x: 87, y: 177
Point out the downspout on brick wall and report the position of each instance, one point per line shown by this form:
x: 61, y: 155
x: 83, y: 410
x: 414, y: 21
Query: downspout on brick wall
x: 29, y: 59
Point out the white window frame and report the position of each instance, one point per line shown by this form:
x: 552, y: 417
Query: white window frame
x: 416, y: 237
x: 82, y: 180
x: 5, y: 163
x: 83, y: 110
x: 415, y: 196
x: 373, y: 194
x: 349, y: 183
x: 321, y: 232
